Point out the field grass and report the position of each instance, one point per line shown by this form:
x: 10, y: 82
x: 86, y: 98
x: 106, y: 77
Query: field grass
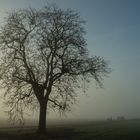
x: 91, y: 130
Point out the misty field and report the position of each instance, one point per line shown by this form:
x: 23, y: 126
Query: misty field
x: 76, y: 130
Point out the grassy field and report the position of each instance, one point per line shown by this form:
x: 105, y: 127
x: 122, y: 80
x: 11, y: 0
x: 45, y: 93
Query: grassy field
x: 91, y: 130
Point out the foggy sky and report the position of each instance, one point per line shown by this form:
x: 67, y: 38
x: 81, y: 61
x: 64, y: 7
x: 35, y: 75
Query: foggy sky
x: 113, y: 31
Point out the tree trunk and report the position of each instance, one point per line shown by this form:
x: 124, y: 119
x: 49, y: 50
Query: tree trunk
x: 42, y: 117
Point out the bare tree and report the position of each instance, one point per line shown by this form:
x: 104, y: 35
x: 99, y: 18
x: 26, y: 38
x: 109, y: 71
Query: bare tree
x: 43, y: 59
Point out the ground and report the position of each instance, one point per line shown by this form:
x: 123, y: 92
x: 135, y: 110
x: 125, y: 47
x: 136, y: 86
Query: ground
x: 91, y: 130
